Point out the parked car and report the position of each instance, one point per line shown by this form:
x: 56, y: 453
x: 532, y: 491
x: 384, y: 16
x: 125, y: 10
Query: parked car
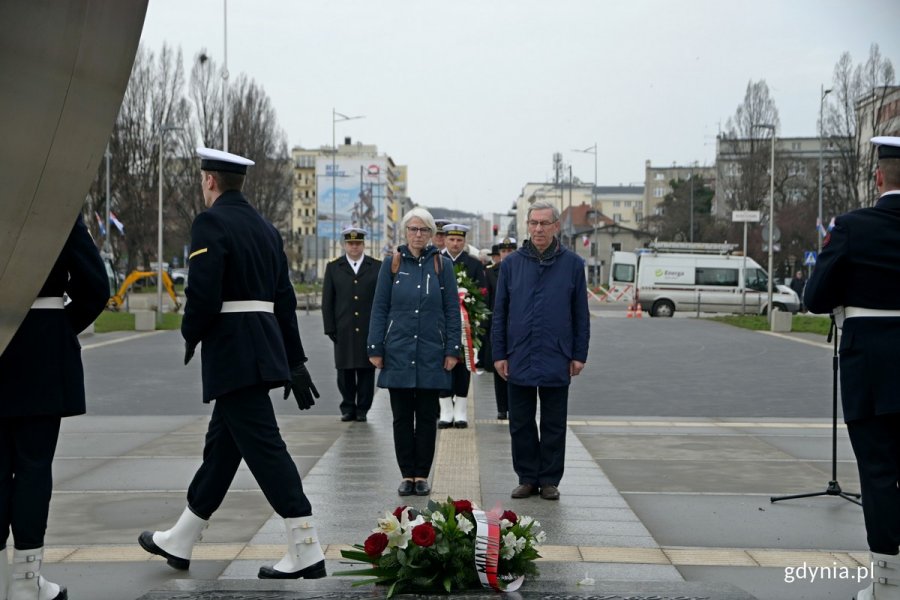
x: 179, y: 276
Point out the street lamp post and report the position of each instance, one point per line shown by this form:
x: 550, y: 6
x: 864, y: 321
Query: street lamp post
x: 771, y: 218
x: 822, y: 94
x: 592, y: 150
x: 336, y: 118
x: 225, y: 79
x: 107, y: 246
x: 159, y: 238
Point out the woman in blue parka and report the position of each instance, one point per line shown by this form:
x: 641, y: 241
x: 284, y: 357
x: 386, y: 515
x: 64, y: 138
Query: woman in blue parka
x: 414, y: 338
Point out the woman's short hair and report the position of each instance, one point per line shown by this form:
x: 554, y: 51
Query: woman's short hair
x: 421, y: 213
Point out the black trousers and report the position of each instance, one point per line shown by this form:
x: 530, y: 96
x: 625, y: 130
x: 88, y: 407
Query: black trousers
x: 357, y: 387
x: 538, y: 460
x: 243, y: 425
x: 460, y: 378
x: 415, y: 429
x: 501, y: 393
x: 27, y: 446
x: 876, y: 443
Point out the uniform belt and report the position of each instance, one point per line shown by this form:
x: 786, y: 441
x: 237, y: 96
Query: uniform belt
x: 235, y: 306
x: 55, y: 302
x: 855, y: 311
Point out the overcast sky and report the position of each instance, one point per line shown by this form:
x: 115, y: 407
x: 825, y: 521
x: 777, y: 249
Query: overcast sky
x: 476, y: 95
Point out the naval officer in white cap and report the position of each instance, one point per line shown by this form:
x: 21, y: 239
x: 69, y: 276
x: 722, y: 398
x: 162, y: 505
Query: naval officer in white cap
x: 242, y: 308
x: 859, y: 271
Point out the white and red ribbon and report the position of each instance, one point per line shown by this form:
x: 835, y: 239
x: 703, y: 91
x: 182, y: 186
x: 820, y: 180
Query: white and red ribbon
x: 467, y: 343
x: 487, y: 553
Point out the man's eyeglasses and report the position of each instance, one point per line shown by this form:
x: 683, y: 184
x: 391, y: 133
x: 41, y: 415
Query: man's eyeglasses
x: 415, y: 230
x: 536, y: 224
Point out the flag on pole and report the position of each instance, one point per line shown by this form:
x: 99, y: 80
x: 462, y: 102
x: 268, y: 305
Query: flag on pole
x: 821, y: 229
x: 100, y: 224
x: 115, y: 221
x: 586, y: 241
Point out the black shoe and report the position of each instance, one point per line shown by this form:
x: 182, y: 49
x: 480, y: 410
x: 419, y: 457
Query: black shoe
x: 313, y: 571
x: 422, y: 487
x: 460, y: 424
x: 406, y: 488
x: 347, y: 417
x: 549, y: 492
x: 147, y: 543
x: 524, y: 490
x: 501, y: 415
x: 361, y: 418
x: 444, y: 424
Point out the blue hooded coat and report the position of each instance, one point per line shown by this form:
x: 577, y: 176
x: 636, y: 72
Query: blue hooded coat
x: 415, y: 321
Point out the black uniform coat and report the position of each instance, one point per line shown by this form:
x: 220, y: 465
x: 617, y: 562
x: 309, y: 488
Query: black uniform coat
x: 860, y: 266
x: 491, y: 275
x: 40, y: 370
x: 238, y: 255
x: 473, y: 266
x: 347, y: 307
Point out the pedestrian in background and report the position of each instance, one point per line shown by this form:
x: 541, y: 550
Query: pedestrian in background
x: 540, y: 340
x: 241, y: 305
x: 798, y: 284
x: 41, y: 381
x: 858, y: 274
x: 414, y: 339
x: 506, y: 247
x: 347, y: 294
x: 454, y: 402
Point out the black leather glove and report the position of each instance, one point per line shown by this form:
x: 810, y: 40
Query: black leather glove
x: 333, y: 337
x: 302, y: 386
x: 189, y: 352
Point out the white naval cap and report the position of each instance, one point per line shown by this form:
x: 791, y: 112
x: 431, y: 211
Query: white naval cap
x: 218, y: 160
x: 888, y: 146
x: 456, y: 229
x: 353, y: 234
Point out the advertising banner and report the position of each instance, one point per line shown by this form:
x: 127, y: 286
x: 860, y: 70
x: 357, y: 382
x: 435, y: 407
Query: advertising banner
x: 351, y: 191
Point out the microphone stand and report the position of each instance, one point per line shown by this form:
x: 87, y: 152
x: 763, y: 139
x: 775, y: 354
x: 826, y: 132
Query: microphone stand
x: 833, y: 488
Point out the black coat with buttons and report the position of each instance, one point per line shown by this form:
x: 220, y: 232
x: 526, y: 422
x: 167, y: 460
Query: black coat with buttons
x: 346, y: 309
x: 40, y: 370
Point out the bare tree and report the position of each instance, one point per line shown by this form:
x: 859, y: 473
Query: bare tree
x: 850, y: 185
x: 747, y: 185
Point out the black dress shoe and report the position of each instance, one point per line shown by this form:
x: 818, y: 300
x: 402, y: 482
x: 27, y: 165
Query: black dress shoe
x: 361, y: 418
x: 313, y: 571
x: 147, y: 543
x: 347, y: 417
x: 444, y: 424
x: 549, y: 492
x: 422, y: 488
x: 460, y: 424
x: 406, y: 488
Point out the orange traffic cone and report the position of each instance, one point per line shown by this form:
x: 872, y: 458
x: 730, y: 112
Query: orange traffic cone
x: 630, y: 313
x: 638, y: 314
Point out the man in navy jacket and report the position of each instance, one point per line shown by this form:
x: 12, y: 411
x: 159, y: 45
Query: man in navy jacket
x: 540, y: 337
x: 859, y: 271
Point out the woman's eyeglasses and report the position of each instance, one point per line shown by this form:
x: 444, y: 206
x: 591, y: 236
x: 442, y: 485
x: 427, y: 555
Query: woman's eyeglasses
x: 415, y: 230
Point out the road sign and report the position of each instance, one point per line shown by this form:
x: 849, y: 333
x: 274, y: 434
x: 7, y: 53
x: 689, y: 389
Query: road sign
x: 776, y: 233
x: 745, y: 216
x: 809, y: 258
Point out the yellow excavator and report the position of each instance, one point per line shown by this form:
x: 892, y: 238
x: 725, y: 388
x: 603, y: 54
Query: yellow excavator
x: 117, y: 300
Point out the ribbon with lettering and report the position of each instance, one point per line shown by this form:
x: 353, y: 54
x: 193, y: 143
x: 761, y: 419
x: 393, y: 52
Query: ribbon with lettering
x: 467, y: 342
x: 487, y: 553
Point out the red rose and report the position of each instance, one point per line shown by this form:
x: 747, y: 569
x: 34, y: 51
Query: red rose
x: 375, y: 544
x: 462, y: 506
x: 422, y: 535
x: 483, y: 291
x: 510, y: 516
x: 398, y: 512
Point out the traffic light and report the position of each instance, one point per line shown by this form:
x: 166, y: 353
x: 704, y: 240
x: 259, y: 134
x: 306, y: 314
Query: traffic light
x: 496, y: 229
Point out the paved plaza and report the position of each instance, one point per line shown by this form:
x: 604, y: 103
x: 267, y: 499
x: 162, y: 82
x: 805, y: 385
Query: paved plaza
x: 679, y: 432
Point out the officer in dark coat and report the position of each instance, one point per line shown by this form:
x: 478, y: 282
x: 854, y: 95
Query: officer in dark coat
x: 41, y: 381
x: 454, y: 408
x: 506, y: 247
x: 858, y: 274
x: 491, y: 270
x: 347, y: 294
x: 242, y: 307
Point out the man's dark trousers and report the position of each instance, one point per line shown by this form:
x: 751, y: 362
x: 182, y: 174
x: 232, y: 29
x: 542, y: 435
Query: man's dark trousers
x: 243, y: 425
x: 357, y: 388
x: 537, y: 460
x: 876, y: 443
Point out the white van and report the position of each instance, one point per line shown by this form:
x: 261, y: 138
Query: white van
x: 691, y: 277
